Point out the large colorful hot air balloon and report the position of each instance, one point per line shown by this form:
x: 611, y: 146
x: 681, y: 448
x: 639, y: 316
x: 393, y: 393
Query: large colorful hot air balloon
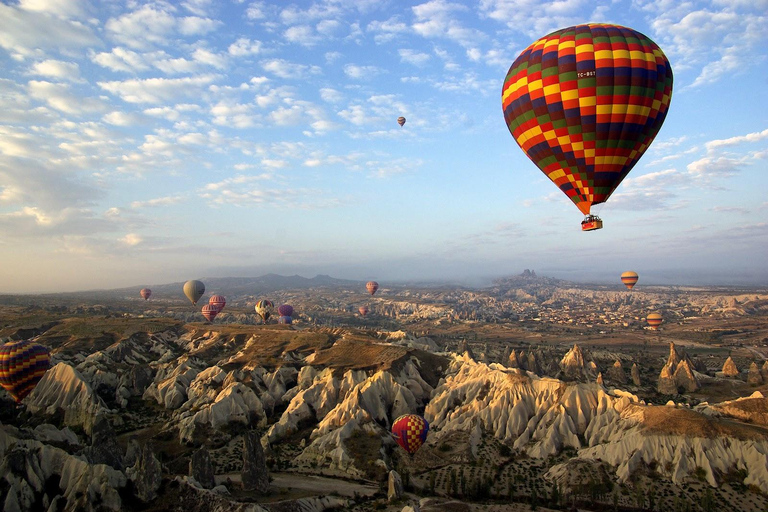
x: 145, y: 293
x: 584, y: 103
x: 363, y: 310
x: 285, y: 310
x: 629, y: 279
x: 410, y: 432
x: 264, y: 309
x: 210, y: 311
x: 372, y: 286
x: 654, y: 320
x: 401, y: 120
x: 22, y: 365
x: 285, y: 319
x: 218, y: 301
x: 194, y: 290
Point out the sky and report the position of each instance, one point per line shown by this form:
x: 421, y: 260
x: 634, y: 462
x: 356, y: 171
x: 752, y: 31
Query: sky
x: 153, y: 142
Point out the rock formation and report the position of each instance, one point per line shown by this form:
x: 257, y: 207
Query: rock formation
x: 394, y: 486
x: 616, y: 373
x: 201, y: 468
x: 678, y: 374
x: 146, y: 474
x: 104, y: 448
x: 254, y: 474
x: 635, y: 375
x: 754, y: 376
x: 729, y: 368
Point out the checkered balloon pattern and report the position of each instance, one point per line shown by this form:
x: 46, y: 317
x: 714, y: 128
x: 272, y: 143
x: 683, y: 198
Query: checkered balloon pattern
x: 22, y: 365
x: 410, y: 431
x: 584, y: 103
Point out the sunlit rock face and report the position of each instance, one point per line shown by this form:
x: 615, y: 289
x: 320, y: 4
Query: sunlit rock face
x: 678, y: 374
x: 729, y: 368
x: 63, y: 392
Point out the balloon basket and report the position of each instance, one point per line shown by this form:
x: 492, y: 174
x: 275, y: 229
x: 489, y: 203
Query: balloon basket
x: 591, y: 223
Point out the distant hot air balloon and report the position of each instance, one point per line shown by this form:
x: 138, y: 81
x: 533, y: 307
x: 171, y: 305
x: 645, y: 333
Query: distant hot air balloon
x: 629, y: 279
x: 210, y: 311
x: 372, y: 286
x: 22, y: 365
x: 285, y: 310
x: 218, y: 301
x: 363, y: 310
x: 264, y: 309
x: 654, y: 320
x: 401, y: 120
x: 584, y: 103
x: 410, y: 432
x: 194, y: 290
x: 285, y: 319
x: 145, y: 293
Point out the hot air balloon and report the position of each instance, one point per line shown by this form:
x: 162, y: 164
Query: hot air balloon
x: 285, y: 319
x: 194, y: 290
x: 22, y: 365
x: 372, y: 286
x: 363, y: 310
x: 410, y: 432
x: 145, y: 293
x: 401, y: 120
x: 285, y: 310
x: 629, y: 279
x: 584, y: 103
x: 210, y: 311
x: 264, y: 309
x: 218, y: 301
x: 654, y: 320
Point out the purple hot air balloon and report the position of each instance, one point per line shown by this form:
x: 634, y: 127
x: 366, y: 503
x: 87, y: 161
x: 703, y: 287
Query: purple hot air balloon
x: 285, y: 319
x: 285, y: 310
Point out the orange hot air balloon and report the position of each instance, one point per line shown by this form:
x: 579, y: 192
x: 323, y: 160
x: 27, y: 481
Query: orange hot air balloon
x: 654, y: 320
x: 410, y: 432
x: 210, y: 311
x: 363, y: 310
x: 218, y: 301
x: 145, y: 293
x: 372, y: 286
x: 22, y: 365
x: 584, y: 103
x: 629, y: 279
x: 401, y: 120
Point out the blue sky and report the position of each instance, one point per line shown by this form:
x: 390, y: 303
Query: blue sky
x: 148, y: 142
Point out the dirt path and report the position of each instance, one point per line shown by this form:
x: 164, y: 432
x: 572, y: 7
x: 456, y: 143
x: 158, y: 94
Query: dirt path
x: 311, y: 484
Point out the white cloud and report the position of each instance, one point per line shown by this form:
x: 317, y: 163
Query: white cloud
x: 361, y: 72
x: 117, y: 118
x: 195, y: 26
x: 235, y: 115
x: 304, y: 35
x: 131, y: 239
x: 25, y: 32
x: 68, y: 71
x: 387, y: 30
x: 60, y: 8
x: 734, y: 141
x: 157, y: 201
x: 413, y: 57
x: 285, y: 69
x: 536, y: 18
x: 158, y: 90
x: 255, y: 11
x: 60, y: 97
x: 244, y: 46
x: 120, y: 59
x: 209, y: 58
x: 435, y: 19
x: 149, y: 24
x: 331, y: 95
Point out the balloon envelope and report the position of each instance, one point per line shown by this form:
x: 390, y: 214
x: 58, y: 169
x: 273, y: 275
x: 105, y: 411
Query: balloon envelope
x: 654, y: 320
x: 22, y: 365
x: 194, y: 290
x: 629, y: 279
x: 285, y: 319
x: 372, y: 286
x: 401, y: 121
x: 210, y: 311
x: 218, y: 301
x: 363, y: 310
x: 264, y: 309
x: 285, y: 310
x: 410, y: 432
x: 584, y: 103
x: 145, y: 293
